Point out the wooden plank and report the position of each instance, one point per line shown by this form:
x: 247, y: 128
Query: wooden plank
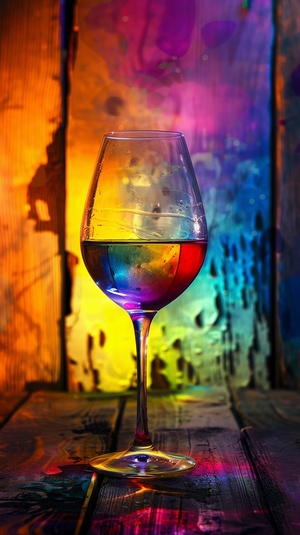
x: 32, y: 194
x: 275, y: 455
x: 192, y: 408
x: 275, y: 409
x: 44, y: 452
x: 273, y: 441
x: 287, y: 169
x: 219, y: 496
x: 9, y: 403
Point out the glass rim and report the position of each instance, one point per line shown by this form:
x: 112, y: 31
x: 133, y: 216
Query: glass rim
x: 143, y: 134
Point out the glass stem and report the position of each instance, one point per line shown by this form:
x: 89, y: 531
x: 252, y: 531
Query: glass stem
x: 141, y: 325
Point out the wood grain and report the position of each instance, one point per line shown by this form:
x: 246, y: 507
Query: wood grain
x: 31, y: 194
x: 9, y: 402
x: 275, y: 409
x: 242, y: 483
x: 44, y: 452
x: 275, y: 455
x: 272, y: 437
x: 220, y: 496
x: 286, y: 169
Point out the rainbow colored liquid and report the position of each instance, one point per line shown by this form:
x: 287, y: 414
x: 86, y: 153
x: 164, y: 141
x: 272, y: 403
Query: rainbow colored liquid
x: 143, y: 276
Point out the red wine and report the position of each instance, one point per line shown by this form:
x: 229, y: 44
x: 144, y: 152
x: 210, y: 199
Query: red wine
x: 143, y: 276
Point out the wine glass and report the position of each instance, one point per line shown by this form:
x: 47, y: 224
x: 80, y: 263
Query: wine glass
x: 143, y: 241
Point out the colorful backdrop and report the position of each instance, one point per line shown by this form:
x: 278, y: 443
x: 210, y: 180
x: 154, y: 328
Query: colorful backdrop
x: 203, y: 68
x: 226, y: 73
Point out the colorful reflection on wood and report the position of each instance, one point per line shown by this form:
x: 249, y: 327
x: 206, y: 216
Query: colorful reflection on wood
x: 47, y: 485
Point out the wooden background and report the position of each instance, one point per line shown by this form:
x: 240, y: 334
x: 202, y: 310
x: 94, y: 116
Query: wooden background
x: 203, y: 68
x: 32, y: 195
x: 42, y: 281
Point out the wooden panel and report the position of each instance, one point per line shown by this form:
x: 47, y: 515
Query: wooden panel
x: 276, y: 409
x: 219, y: 496
x: 44, y: 451
x: 276, y: 455
x: 287, y: 195
x: 201, y: 67
x: 31, y: 193
x: 272, y: 438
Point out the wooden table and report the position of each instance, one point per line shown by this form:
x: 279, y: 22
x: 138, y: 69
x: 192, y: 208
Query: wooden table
x: 245, y: 481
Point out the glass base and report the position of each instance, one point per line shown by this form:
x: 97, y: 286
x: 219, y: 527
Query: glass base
x: 144, y: 462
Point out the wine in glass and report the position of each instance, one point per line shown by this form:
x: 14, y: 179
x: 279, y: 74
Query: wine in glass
x: 143, y: 241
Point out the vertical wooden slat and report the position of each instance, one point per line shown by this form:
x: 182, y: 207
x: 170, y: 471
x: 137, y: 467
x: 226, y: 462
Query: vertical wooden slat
x: 32, y: 193
x: 288, y: 191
